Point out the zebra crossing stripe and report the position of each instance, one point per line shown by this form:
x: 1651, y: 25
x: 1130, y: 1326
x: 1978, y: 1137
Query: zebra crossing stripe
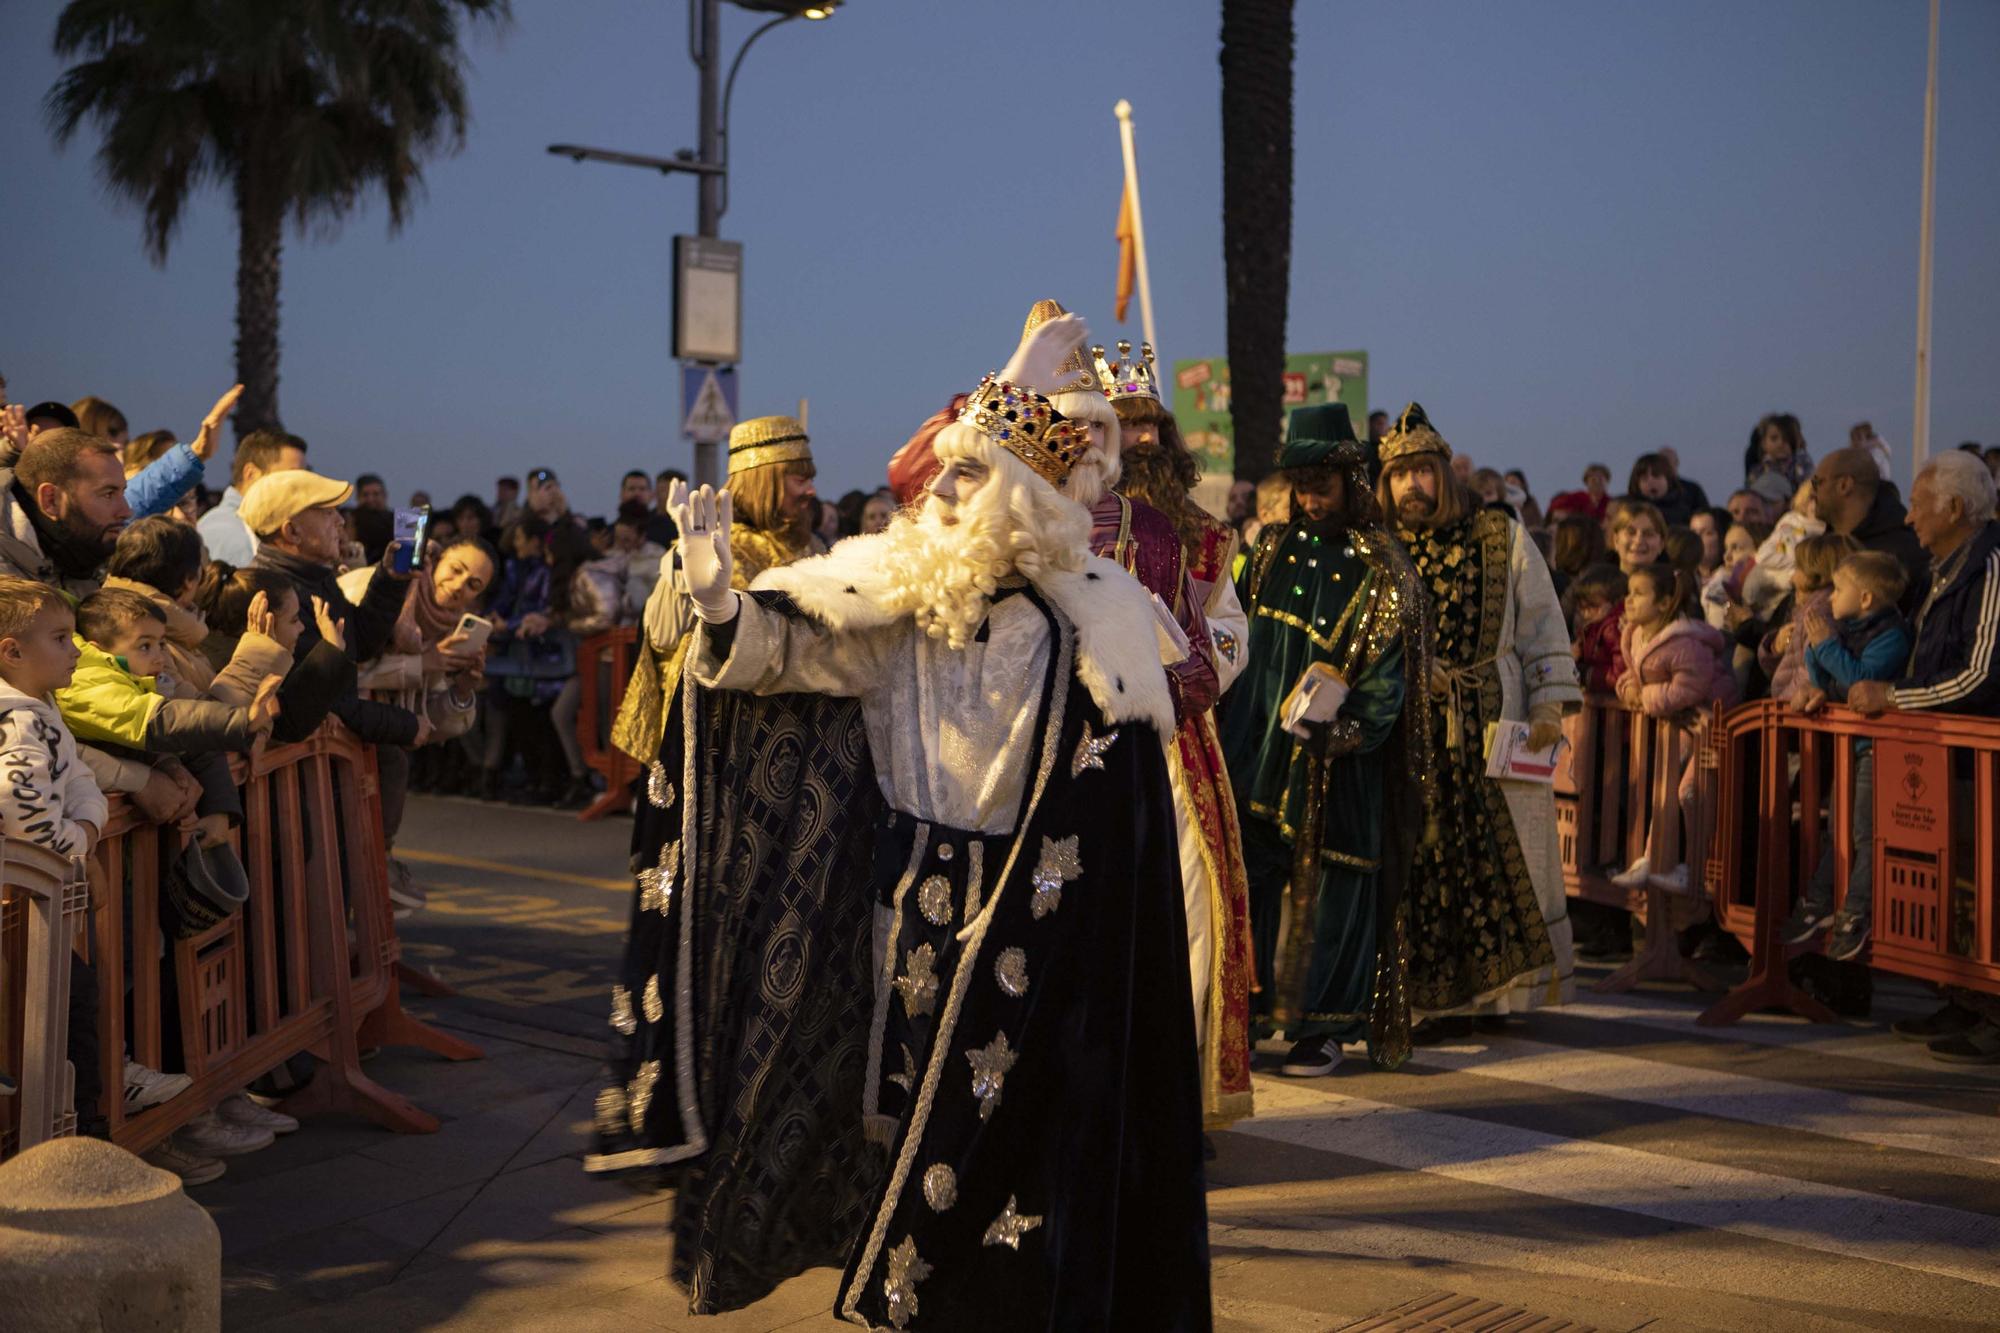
x: 1947, y: 1242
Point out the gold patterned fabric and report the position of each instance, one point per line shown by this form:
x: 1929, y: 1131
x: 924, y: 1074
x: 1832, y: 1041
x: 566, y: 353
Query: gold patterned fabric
x: 1475, y: 924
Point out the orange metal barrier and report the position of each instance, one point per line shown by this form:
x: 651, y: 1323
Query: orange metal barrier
x: 1935, y: 849
x: 309, y: 965
x: 1618, y: 781
x: 605, y: 663
x: 42, y: 903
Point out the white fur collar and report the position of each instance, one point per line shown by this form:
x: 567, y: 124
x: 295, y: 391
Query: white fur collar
x: 1117, y: 646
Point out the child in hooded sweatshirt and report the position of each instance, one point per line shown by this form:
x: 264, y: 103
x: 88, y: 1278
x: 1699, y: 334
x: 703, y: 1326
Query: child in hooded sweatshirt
x: 1676, y: 664
x: 1782, y: 654
x: 1862, y: 636
x: 115, y: 700
x: 47, y: 796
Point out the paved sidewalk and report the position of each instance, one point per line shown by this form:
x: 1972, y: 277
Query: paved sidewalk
x: 1610, y: 1164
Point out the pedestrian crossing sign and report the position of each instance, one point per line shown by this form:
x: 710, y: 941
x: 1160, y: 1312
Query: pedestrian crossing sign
x: 710, y: 395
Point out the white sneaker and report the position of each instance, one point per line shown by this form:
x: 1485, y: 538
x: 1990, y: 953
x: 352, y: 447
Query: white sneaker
x: 1635, y: 875
x: 192, y: 1168
x: 212, y: 1136
x: 149, y: 1087
x: 1674, y: 881
x: 240, y: 1110
x: 404, y: 891
x: 1312, y: 1058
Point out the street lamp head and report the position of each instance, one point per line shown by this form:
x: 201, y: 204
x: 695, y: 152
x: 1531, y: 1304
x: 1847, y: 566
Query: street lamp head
x: 823, y: 11
x: 805, y: 9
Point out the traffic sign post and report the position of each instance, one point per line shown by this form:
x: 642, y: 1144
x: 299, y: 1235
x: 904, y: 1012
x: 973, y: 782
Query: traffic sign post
x: 708, y: 402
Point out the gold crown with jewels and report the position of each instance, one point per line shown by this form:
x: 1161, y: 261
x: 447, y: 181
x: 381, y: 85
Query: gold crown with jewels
x: 1020, y: 420
x: 1128, y: 378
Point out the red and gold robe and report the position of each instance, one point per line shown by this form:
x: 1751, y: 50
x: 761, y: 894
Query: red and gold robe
x: 1215, y: 888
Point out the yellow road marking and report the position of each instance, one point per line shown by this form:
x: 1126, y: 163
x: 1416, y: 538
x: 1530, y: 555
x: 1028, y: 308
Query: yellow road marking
x: 518, y: 872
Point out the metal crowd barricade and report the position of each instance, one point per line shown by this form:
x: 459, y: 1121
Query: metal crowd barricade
x: 43, y: 900
x: 1619, y: 779
x: 1935, y: 848
x: 310, y: 964
x: 605, y: 663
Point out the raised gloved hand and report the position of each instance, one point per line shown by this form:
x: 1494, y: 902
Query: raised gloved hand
x: 704, y: 518
x: 1042, y: 351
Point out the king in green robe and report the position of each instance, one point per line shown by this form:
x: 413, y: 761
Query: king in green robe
x: 1331, y: 819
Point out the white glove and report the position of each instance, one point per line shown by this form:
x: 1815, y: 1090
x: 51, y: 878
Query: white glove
x: 704, y: 519
x: 1042, y: 351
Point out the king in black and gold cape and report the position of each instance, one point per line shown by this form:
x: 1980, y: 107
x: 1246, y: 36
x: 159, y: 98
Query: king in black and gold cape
x: 739, y: 1020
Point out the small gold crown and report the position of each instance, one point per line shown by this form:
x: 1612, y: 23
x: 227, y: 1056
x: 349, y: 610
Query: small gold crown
x: 1128, y: 377
x: 1021, y: 421
x: 1073, y: 376
x: 1412, y: 434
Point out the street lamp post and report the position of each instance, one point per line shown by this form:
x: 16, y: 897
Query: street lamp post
x: 710, y: 165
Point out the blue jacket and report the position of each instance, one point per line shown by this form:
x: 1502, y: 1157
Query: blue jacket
x: 160, y: 485
x: 1952, y: 663
x: 1873, y: 647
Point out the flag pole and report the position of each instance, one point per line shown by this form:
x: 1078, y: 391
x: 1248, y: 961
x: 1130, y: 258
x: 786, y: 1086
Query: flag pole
x: 1920, y: 431
x: 1124, y: 113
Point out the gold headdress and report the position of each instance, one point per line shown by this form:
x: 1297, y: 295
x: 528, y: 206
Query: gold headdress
x: 1412, y: 434
x: 762, y: 440
x: 1128, y: 378
x: 1021, y: 421
x: 1073, y: 376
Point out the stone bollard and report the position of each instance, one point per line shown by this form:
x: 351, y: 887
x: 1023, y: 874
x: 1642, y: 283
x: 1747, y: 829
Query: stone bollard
x: 94, y: 1240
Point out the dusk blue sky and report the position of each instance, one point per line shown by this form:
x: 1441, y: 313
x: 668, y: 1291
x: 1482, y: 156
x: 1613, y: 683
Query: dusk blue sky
x: 1573, y: 230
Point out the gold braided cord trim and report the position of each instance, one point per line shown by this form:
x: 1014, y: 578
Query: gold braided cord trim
x: 1349, y: 860
x: 793, y: 449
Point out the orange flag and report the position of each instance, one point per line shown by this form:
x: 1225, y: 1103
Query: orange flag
x: 1128, y: 252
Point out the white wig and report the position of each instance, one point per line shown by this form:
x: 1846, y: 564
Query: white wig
x: 1965, y: 478
x: 1014, y: 523
x: 1100, y: 470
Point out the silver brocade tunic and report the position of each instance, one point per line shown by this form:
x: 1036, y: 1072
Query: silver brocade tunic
x: 951, y: 730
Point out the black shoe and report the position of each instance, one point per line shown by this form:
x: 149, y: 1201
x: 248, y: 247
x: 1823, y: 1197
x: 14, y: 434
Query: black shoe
x: 1978, y: 1045
x: 1434, y: 1030
x: 1948, y: 1021
x: 1721, y: 947
x: 1847, y: 937
x: 576, y: 796
x: 1315, y: 1057
x: 488, y: 788
x: 1491, y: 1025
x: 1806, y: 923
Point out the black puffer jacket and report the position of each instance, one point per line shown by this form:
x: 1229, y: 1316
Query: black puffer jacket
x: 1885, y: 528
x: 368, y: 629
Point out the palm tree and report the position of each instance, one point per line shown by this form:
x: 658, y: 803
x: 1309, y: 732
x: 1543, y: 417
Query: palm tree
x: 1257, y: 220
x: 299, y: 106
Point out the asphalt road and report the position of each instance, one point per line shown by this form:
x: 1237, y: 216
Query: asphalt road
x: 1610, y: 1164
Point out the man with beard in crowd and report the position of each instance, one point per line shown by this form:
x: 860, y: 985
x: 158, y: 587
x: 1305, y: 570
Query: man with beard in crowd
x: 1028, y: 1063
x: 1331, y: 806
x: 62, y: 506
x: 1489, y: 928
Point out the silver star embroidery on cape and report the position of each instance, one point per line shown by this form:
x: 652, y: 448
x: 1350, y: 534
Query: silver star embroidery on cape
x: 1010, y: 969
x: 1090, y: 751
x: 658, y: 790
x: 1010, y: 1226
x: 899, y: 1288
x: 940, y: 1187
x: 650, y: 1003
x: 934, y: 900
x: 621, y: 1010
x: 990, y: 1064
x: 919, y: 984
x: 1058, y: 865
x: 907, y: 1080
x: 640, y: 1094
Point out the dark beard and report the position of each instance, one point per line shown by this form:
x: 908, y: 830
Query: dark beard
x: 1152, y: 475
x: 1417, y: 511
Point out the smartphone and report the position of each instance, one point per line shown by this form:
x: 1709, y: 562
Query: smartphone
x: 413, y: 527
x: 474, y: 630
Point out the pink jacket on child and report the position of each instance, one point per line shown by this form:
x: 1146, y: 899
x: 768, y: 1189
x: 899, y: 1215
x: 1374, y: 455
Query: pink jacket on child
x: 1685, y: 665
x: 1787, y: 670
